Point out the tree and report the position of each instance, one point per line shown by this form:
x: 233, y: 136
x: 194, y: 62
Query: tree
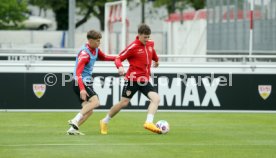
x: 59, y: 7
x: 174, y: 5
x: 86, y: 8
x: 91, y: 7
x: 42, y: 5
x: 12, y: 13
x: 61, y: 14
x: 198, y: 4
x: 171, y: 5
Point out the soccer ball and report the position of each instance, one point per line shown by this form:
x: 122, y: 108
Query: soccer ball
x: 164, y: 126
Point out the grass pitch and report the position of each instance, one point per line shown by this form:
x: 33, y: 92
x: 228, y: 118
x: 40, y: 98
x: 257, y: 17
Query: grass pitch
x: 192, y: 135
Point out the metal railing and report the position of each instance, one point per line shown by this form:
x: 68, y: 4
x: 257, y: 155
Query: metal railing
x: 58, y: 55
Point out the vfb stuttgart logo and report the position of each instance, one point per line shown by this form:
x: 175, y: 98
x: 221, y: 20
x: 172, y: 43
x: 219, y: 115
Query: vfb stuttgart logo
x: 39, y: 90
x: 264, y: 91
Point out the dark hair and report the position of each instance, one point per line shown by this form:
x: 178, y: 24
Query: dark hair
x: 92, y: 34
x: 144, y: 29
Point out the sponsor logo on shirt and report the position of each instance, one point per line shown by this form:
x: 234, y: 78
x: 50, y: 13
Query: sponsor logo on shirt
x: 140, y: 51
x: 150, y: 49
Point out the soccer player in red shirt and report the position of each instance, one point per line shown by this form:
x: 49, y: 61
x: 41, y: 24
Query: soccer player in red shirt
x: 83, y: 87
x: 139, y: 54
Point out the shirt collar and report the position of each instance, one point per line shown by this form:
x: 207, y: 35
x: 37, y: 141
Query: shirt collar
x: 138, y: 41
x: 89, y: 47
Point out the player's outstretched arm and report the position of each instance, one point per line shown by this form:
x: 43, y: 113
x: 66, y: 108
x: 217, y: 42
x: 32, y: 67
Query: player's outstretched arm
x: 119, y: 66
x: 104, y: 57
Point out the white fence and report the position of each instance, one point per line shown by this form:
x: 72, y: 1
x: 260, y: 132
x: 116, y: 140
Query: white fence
x: 63, y: 60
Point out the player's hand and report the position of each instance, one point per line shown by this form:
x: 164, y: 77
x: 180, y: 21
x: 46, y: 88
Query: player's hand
x: 121, y: 71
x: 83, y: 95
x: 155, y: 64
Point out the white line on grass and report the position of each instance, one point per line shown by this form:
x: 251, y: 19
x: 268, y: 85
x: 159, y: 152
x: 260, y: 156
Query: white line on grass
x: 133, y: 144
x: 140, y: 110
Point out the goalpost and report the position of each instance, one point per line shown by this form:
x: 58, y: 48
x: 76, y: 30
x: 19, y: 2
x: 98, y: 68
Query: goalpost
x: 115, y: 12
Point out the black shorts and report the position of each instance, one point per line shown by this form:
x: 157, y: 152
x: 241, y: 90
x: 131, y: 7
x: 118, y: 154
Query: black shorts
x: 88, y: 87
x: 131, y: 87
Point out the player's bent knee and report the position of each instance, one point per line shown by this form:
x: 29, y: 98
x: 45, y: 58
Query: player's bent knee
x: 156, y: 102
x: 94, y: 101
x: 155, y: 99
x: 96, y: 104
x: 93, y: 105
x: 124, y: 102
x: 158, y: 99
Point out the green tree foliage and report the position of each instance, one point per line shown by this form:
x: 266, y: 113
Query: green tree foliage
x: 198, y: 4
x: 12, y: 13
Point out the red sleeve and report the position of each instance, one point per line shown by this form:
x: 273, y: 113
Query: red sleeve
x: 104, y: 57
x: 118, y: 62
x: 154, y: 56
x: 83, y: 59
x: 124, y: 55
